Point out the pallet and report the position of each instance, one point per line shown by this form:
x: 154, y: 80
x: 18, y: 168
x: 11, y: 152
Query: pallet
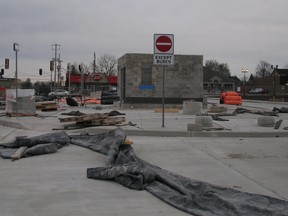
x: 84, y: 118
x: 20, y: 114
x: 47, y: 106
x: 96, y: 119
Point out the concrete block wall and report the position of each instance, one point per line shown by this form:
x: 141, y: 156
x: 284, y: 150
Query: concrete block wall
x: 183, y: 80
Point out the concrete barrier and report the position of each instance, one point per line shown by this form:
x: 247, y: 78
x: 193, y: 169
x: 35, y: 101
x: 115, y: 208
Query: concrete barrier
x: 266, y: 121
x: 205, y: 121
x: 192, y: 107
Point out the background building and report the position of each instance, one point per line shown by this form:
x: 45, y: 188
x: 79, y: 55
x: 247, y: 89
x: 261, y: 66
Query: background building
x: 140, y: 81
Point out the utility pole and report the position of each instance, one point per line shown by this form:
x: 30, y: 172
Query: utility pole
x: 59, y: 71
x: 274, y: 80
x: 94, y: 64
x: 55, y: 47
x: 16, y: 49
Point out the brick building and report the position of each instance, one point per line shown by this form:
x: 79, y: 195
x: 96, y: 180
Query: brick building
x: 140, y: 81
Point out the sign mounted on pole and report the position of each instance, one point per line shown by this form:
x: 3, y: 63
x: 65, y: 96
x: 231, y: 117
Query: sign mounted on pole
x: 163, y: 49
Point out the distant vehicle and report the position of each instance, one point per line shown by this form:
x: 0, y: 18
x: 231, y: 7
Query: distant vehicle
x: 2, y: 104
x: 60, y: 92
x: 258, y: 91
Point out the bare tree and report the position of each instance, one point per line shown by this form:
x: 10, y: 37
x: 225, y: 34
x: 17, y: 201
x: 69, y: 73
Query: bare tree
x: 221, y: 68
x: 212, y: 64
x: 107, y: 64
x: 263, y: 69
x: 75, y: 68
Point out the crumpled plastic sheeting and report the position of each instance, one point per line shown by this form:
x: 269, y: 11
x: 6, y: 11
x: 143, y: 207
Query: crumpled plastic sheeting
x: 194, y: 197
x: 37, y: 145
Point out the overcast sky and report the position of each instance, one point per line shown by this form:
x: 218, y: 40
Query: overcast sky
x: 239, y: 33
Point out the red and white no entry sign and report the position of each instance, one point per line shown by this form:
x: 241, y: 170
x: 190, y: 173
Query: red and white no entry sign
x: 163, y: 44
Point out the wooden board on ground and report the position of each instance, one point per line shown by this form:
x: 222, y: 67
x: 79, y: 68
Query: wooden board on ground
x: 21, y: 114
x: 18, y: 154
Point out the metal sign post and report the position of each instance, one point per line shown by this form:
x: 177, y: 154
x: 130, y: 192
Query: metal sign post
x: 163, y: 96
x: 163, y: 55
x: 16, y: 49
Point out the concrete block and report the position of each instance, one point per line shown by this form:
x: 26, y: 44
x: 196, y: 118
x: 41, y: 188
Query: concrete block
x: 194, y: 127
x: 192, y: 107
x: 266, y: 121
x: 206, y: 121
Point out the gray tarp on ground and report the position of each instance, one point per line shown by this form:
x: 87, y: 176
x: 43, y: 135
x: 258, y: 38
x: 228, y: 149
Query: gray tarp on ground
x: 195, y: 197
x: 37, y: 145
x: 123, y: 166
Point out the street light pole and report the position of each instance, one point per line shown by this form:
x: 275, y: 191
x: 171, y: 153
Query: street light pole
x: 69, y: 76
x: 244, y: 71
x: 16, y: 49
x: 274, y: 80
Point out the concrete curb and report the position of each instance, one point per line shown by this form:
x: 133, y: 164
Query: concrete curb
x: 130, y: 132
x: 162, y: 133
x: 13, y: 124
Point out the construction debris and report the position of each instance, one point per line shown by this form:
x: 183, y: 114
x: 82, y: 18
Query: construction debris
x: 31, y: 146
x: 47, y: 106
x: 74, y: 113
x: 258, y: 112
x: 278, y: 124
x: 217, y: 109
x: 281, y: 110
x: 18, y: 154
x: 96, y: 119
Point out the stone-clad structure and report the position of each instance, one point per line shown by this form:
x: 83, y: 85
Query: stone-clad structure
x: 140, y: 81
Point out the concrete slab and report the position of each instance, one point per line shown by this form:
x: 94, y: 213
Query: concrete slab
x: 56, y: 184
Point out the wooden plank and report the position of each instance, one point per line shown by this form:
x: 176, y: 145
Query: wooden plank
x: 70, y: 119
x: 48, y: 109
x: 18, y: 154
x: 113, y: 120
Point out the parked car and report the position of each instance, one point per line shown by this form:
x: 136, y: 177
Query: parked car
x: 258, y: 91
x: 60, y: 92
x: 2, y: 104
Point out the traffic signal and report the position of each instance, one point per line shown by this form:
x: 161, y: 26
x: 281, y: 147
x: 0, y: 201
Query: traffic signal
x: 51, y: 65
x: 6, y: 63
x: 40, y: 71
x: 2, y: 71
x: 80, y: 67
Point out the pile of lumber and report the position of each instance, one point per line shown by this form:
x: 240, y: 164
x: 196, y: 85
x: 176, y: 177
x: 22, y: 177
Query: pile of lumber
x: 96, y: 119
x: 47, y: 106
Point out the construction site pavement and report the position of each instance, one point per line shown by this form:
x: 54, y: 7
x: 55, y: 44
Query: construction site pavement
x: 56, y: 184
